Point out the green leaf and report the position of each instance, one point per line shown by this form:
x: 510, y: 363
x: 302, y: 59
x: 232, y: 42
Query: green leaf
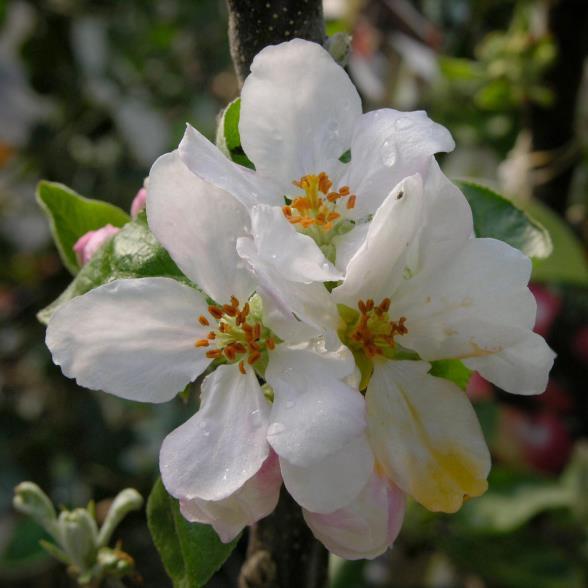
x: 71, y: 216
x: 191, y: 552
x: 453, y: 370
x: 499, y: 218
x: 228, y: 138
x: 567, y: 264
x: 132, y: 253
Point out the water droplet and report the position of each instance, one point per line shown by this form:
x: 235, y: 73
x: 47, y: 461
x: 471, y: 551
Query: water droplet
x: 276, y: 429
x: 403, y: 123
x: 290, y: 404
x: 388, y: 152
x: 255, y: 416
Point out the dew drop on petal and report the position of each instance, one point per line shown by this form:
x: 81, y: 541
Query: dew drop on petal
x: 403, y: 123
x: 255, y: 416
x: 276, y: 429
x: 388, y: 152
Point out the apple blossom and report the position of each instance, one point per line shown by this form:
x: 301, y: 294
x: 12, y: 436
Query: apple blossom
x: 146, y: 338
x: 139, y: 202
x: 87, y: 245
x: 421, y: 288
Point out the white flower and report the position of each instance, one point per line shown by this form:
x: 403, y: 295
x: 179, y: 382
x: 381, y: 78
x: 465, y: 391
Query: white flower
x: 146, y: 339
x: 299, y: 115
x: 421, y: 288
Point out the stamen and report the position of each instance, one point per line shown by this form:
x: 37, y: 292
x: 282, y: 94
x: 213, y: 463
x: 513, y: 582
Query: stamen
x: 212, y: 335
x: 242, y: 367
x: 201, y: 343
x: 235, y: 302
x: 203, y: 320
x: 253, y: 357
x: 214, y: 353
x: 271, y: 344
x: 351, y: 202
x: 215, y: 311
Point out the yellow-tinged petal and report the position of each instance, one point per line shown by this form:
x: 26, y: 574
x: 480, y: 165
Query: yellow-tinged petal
x: 425, y: 435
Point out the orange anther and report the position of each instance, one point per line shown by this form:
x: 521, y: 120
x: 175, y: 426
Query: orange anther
x: 242, y: 367
x: 230, y: 352
x: 245, y: 310
x: 287, y: 210
x: 351, y: 202
x: 344, y: 190
x: 214, y: 353
x: 369, y: 304
x: 234, y: 302
x: 384, y: 305
x: 253, y: 346
x: 333, y: 196
x: 239, y: 347
x: 271, y: 344
x: 230, y: 310
x: 333, y: 216
x: 215, y: 311
x: 253, y: 357
x: 203, y: 320
x: 222, y: 327
x: 201, y: 343
x: 324, y: 182
x: 212, y: 335
x: 257, y: 331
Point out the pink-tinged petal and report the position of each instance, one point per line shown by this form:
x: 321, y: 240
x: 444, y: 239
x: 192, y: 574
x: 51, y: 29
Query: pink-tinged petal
x: 133, y: 338
x: 314, y: 413
x: 425, y: 435
x: 223, y: 445
x: 387, y: 146
x: 205, y: 160
x: 522, y: 368
x: 87, y: 245
x: 367, y: 526
x: 475, y: 305
x: 296, y: 119
x: 377, y: 266
x: 199, y: 225
x: 256, y: 499
x: 139, y: 202
x: 335, y: 481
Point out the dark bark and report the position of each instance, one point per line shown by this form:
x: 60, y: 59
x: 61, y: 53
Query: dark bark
x: 283, y: 553
x: 254, y: 24
x: 552, y: 128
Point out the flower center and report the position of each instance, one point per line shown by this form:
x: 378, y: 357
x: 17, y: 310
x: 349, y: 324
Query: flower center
x: 370, y: 330
x: 317, y: 212
x: 239, y: 337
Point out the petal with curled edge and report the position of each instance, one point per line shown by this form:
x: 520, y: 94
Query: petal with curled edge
x: 298, y: 108
x: 256, y: 499
x: 377, y: 266
x: 315, y: 413
x: 199, y: 225
x: 223, y: 445
x: 132, y: 338
x: 333, y: 482
x: 367, y: 526
x: 522, y: 368
x: 387, y: 146
x: 425, y: 435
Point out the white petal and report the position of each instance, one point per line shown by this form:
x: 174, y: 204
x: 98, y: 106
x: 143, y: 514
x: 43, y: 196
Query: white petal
x: 199, y: 224
x: 256, y: 499
x: 349, y: 243
x: 133, y: 338
x: 206, y: 161
x: 367, y: 526
x: 522, y: 368
x: 314, y: 413
x: 310, y: 303
x: 333, y: 482
x: 376, y: 268
x: 387, y: 146
x: 298, y: 108
x: 477, y: 305
x: 294, y: 256
x: 425, y: 435
x: 214, y: 453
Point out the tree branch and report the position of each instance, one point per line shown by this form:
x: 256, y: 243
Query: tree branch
x: 254, y: 24
x: 283, y: 553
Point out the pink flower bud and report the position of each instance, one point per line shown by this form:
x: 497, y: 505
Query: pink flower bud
x: 139, y: 202
x: 88, y: 244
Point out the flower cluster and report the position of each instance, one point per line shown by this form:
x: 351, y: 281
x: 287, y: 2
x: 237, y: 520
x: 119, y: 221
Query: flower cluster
x: 326, y: 292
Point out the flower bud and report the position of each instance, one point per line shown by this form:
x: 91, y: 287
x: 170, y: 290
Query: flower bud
x: 115, y: 562
x: 32, y: 501
x: 88, y: 244
x: 79, y: 537
x: 126, y: 501
x: 139, y: 202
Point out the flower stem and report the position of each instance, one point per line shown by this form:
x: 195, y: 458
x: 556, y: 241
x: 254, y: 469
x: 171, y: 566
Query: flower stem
x: 283, y: 553
x: 254, y: 24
